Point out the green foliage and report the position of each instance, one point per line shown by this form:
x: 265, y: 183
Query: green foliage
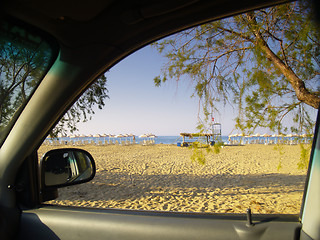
x: 217, y: 147
x: 23, y: 65
x: 254, y: 61
x: 198, y: 155
x: 23, y: 62
x: 304, y: 156
x: 280, y: 149
x: 279, y: 166
x: 201, y: 149
x: 157, y: 81
x: 83, y: 109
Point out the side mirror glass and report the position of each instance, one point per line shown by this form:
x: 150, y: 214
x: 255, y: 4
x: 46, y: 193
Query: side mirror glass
x: 66, y: 166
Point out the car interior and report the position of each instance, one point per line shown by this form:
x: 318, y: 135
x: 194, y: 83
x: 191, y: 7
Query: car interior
x: 79, y: 41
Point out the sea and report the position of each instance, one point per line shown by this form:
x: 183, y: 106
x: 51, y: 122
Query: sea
x: 157, y: 140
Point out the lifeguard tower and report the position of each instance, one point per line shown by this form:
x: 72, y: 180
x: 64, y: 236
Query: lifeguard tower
x: 216, y: 132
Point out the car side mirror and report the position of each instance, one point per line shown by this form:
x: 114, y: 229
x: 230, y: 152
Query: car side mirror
x: 65, y: 167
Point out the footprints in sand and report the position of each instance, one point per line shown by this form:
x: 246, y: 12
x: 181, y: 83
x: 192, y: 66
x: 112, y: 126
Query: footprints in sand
x: 233, y: 200
x: 163, y: 178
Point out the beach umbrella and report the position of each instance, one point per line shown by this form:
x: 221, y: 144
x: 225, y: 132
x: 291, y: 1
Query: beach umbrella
x: 133, y: 137
x: 246, y: 137
x: 275, y: 136
x: 240, y: 136
x: 73, y: 138
x: 152, y: 136
x: 96, y: 136
x: 89, y: 138
x: 236, y: 135
x: 304, y: 137
x: 266, y: 136
x: 257, y: 135
x: 60, y: 135
x: 289, y: 136
x: 230, y: 137
x: 104, y: 136
x: 243, y: 135
x: 119, y: 136
x: 110, y: 136
x: 143, y: 136
x: 280, y: 136
x: 128, y: 137
x: 81, y: 136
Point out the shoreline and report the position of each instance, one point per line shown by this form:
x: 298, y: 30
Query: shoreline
x: 175, y: 140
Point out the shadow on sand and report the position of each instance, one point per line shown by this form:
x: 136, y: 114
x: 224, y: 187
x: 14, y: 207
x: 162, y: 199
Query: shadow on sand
x: 123, y: 186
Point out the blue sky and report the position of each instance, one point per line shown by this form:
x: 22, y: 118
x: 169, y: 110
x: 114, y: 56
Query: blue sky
x: 137, y: 106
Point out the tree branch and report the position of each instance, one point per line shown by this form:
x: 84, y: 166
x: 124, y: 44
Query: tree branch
x: 297, y: 84
x: 237, y: 34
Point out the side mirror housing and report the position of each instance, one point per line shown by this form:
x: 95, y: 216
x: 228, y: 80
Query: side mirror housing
x: 64, y: 167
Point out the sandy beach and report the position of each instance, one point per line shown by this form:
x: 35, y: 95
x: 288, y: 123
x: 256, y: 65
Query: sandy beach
x: 163, y: 178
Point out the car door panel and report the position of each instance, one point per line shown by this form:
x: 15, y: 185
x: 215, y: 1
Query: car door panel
x: 53, y: 222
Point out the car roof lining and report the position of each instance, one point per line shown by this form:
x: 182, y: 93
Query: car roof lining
x: 106, y: 24
x: 81, y: 11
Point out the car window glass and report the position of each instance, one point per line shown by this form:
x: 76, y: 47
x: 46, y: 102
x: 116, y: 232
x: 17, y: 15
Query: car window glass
x: 168, y: 149
x: 25, y: 57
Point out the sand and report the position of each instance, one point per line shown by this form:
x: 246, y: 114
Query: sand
x: 163, y: 178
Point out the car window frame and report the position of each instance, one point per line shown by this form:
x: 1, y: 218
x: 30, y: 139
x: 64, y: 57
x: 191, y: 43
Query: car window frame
x: 54, y: 47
